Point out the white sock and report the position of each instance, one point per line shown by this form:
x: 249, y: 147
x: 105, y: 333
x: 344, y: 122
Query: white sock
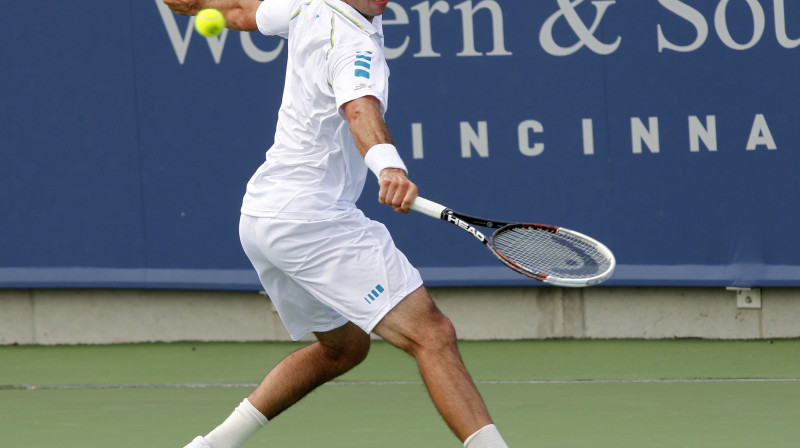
x: 486, y: 437
x: 243, y: 422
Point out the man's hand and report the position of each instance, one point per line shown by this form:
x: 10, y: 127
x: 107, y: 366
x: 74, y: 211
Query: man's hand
x: 396, y: 189
x: 240, y: 15
x: 184, y: 7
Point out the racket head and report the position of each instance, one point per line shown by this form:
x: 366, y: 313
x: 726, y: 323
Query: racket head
x: 554, y: 255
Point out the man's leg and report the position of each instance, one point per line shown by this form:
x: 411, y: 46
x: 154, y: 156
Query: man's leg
x: 418, y: 327
x: 334, y: 353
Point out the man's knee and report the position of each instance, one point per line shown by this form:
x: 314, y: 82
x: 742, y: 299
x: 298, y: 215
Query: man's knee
x: 442, y: 333
x: 433, y: 334
x: 416, y: 324
x: 346, y: 349
x: 356, y: 351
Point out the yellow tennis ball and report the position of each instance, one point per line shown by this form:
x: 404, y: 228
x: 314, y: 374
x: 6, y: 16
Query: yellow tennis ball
x: 209, y: 22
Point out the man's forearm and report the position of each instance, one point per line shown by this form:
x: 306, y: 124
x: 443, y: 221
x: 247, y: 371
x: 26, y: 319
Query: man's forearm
x: 366, y: 123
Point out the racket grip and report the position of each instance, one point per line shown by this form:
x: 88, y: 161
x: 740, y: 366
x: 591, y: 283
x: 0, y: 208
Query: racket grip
x: 428, y: 207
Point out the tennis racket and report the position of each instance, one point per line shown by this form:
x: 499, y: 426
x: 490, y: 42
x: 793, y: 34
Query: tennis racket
x: 553, y: 255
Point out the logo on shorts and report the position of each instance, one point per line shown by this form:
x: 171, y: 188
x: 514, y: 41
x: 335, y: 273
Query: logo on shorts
x: 378, y: 290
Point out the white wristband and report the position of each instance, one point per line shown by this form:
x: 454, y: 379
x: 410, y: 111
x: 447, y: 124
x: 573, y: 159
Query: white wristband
x: 383, y: 156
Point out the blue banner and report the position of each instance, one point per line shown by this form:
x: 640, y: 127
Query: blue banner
x: 668, y: 129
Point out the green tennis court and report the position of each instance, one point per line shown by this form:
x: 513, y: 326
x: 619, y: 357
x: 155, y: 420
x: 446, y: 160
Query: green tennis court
x: 562, y: 393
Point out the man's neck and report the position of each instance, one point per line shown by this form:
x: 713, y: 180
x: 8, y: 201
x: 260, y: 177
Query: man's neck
x: 362, y: 14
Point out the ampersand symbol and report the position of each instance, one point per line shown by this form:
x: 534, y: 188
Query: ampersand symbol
x: 585, y: 35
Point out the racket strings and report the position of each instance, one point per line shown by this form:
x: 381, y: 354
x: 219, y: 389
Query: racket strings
x: 552, y: 254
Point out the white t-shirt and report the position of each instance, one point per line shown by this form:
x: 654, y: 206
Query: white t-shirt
x: 335, y: 55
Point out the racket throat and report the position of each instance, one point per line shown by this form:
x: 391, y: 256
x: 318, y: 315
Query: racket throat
x: 464, y: 225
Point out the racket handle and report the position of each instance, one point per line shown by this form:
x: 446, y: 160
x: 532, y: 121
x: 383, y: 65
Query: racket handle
x: 427, y: 207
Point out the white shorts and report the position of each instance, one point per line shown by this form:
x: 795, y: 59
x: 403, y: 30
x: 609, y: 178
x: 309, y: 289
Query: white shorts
x: 321, y: 274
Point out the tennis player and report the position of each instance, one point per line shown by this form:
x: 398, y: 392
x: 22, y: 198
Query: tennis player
x: 327, y: 268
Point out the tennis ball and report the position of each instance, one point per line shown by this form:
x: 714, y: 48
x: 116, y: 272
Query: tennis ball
x: 209, y: 22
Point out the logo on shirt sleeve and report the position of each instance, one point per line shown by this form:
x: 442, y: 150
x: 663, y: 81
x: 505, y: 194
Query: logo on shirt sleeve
x: 362, y: 64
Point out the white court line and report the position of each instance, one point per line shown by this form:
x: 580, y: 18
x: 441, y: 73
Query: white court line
x: 392, y: 383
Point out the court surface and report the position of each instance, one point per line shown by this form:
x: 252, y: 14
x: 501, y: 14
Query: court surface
x: 563, y: 393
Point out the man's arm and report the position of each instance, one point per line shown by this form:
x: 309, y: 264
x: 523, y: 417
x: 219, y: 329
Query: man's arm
x: 369, y: 129
x: 240, y: 15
